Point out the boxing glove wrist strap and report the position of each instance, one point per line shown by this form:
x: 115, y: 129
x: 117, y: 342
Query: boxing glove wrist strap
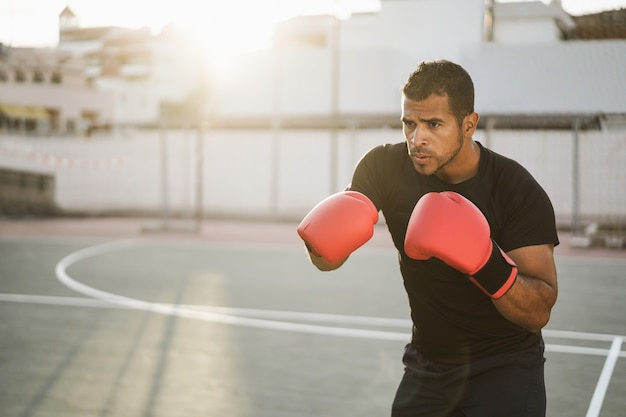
x: 497, y: 276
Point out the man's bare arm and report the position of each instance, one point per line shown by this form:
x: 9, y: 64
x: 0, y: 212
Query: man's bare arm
x: 528, y: 303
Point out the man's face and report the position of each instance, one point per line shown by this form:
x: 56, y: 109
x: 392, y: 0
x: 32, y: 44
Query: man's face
x: 432, y: 133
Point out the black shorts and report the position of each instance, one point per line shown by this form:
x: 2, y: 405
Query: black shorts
x: 509, y: 385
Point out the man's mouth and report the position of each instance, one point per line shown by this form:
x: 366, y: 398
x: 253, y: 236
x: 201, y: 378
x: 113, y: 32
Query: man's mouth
x: 419, y: 156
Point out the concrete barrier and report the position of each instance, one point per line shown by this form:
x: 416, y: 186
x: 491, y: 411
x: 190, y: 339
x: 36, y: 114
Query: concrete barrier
x: 26, y: 193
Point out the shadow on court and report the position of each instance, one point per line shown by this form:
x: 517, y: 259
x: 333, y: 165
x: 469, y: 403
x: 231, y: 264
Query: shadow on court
x: 98, y: 319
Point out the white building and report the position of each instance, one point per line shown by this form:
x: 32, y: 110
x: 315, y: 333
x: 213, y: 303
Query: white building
x: 529, y: 68
x: 44, y: 91
x: 151, y: 78
x: 531, y: 22
x: 323, y: 70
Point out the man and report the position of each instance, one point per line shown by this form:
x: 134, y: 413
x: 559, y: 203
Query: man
x: 475, y: 234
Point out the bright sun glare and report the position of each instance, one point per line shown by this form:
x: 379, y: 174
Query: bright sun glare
x: 228, y: 34
x: 226, y: 28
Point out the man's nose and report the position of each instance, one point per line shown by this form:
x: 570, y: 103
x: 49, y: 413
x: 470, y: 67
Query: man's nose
x: 419, y: 136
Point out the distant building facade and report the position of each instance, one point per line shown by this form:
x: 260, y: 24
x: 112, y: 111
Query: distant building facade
x: 101, y: 78
x: 152, y: 79
x: 531, y: 72
x: 44, y: 91
x: 539, y: 67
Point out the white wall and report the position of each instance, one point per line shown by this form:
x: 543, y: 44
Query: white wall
x: 549, y: 157
x: 431, y: 29
x: 294, y: 82
x: 377, y: 53
x: 526, y: 31
x: 283, y: 174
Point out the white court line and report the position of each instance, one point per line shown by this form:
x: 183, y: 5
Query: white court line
x: 605, y: 377
x: 180, y: 311
x: 228, y: 316
x: 342, y: 319
x: 577, y: 350
x: 56, y: 300
x: 338, y: 319
x: 567, y: 334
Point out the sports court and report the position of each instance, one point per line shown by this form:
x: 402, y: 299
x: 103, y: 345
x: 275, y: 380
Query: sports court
x: 101, y: 318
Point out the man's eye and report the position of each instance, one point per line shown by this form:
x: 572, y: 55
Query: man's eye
x: 434, y: 124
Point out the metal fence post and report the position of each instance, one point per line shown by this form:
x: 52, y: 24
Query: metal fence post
x: 576, y: 221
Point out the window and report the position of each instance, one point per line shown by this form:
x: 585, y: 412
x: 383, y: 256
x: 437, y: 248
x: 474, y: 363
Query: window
x: 20, y: 77
x: 56, y: 78
x: 38, y: 76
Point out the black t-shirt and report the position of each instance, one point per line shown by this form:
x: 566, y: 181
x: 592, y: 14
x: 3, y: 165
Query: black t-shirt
x: 454, y: 322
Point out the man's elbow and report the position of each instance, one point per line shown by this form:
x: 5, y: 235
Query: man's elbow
x: 537, y: 325
x: 538, y: 321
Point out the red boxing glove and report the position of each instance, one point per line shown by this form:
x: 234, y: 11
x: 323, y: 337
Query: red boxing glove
x: 339, y: 225
x: 450, y: 227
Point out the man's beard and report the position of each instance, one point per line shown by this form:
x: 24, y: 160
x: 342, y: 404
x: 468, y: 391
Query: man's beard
x: 441, y: 160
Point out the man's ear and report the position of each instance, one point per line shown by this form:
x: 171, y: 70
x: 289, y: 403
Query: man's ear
x: 470, y: 123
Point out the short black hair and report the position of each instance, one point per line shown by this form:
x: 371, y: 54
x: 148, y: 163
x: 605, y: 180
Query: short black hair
x: 443, y: 78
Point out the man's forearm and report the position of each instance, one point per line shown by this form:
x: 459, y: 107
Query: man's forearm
x: 528, y: 303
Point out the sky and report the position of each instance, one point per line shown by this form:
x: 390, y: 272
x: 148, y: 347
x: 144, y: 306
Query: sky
x: 35, y: 22
x: 234, y: 25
